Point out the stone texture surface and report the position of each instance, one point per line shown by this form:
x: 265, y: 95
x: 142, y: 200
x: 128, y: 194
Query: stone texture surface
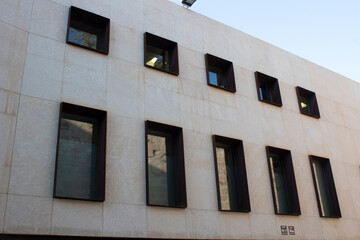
x: 39, y: 70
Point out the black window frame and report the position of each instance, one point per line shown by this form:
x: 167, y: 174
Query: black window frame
x: 272, y: 87
x: 289, y: 181
x: 242, y: 188
x: 226, y: 68
x: 164, y: 44
x: 101, y: 116
x: 179, y: 162
x: 93, y: 20
x: 329, y: 178
x: 312, y: 102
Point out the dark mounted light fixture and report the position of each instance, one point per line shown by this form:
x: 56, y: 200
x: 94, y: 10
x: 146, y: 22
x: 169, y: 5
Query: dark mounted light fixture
x: 188, y: 3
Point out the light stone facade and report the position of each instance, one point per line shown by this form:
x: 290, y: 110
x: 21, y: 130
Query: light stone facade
x: 38, y: 71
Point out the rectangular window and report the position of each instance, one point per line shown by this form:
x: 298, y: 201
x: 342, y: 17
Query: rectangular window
x: 80, y: 156
x: 88, y: 30
x: 325, y: 187
x: 165, y: 169
x: 283, y: 184
x: 307, y: 102
x: 220, y: 73
x: 161, y: 54
x: 230, y: 170
x: 268, y: 89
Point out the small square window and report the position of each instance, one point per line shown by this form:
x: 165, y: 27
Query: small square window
x: 283, y: 184
x: 325, y: 187
x: 80, y: 155
x: 231, y: 180
x: 268, y: 89
x: 88, y: 30
x: 165, y: 169
x: 161, y: 54
x: 307, y: 102
x: 220, y: 73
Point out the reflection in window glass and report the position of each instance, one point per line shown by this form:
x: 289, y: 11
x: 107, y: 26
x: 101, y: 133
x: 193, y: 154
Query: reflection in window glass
x: 77, y: 157
x: 215, y: 77
x: 319, y: 172
x: 279, y: 184
x: 157, y: 57
x: 305, y: 105
x: 84, y: 35
x: 160, y: 169
x: 266, y: 93
x: 226, y: 176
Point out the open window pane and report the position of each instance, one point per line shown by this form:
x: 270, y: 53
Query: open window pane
x: 88, y: 30
x: 161, y: 54
x: 325, y: 187
x: 307, y: 102
x: 233, y: 194
x: 165, y: 166
x: 282, y: 177
x: 220, y: 73
x: 80, y: 163
x: 268, y: 89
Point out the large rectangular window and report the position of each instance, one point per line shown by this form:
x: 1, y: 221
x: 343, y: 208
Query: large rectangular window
x: 283, y: 184
x: 325, y: 187
x: 165, y: 170
x: 80, y: 156
x: 231, y: 180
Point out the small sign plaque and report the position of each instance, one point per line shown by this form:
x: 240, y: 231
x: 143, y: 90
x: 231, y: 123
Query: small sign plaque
x: 291, y: 230
x: 284, y: 230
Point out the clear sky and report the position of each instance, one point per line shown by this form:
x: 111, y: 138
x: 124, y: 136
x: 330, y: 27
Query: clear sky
x: 326, y: 32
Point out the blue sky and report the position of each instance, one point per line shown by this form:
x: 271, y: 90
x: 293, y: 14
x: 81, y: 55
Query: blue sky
x: 324, y: 32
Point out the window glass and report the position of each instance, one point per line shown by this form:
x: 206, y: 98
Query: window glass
x: 77, y: 157
x: 279, y: 183
x: 157, y: 57
x: 227, y: 178
x: 215, y: 77
x: 319, y: 172
x: 305, y: 106
x: 160, y: 169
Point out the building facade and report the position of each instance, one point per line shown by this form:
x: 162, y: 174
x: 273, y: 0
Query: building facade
x: 292, y: 127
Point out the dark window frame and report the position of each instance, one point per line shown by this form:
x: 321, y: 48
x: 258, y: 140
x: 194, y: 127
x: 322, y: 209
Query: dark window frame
x: 165, y: 44
x: 93, y: 20
x: 334, y: 202
x: 290, y: 181
x: 227, y: 70
x: 179, y: 162
x: 273, y: 88
x: 101, y: 116
x: 311, y: 97
x: 240, y: 174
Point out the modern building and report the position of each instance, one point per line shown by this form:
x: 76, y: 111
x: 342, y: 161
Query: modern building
x: 143, y: 119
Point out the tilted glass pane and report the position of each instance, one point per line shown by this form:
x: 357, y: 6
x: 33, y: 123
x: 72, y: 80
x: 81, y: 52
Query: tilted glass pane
x: 227, y: 177
x: 160, y: 170
x: 216, y: 77
x: 319, y: 172
x: 76, y: 159
x: 279, y: 184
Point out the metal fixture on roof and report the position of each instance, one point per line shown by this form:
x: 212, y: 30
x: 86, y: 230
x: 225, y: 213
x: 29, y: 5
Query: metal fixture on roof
x: 188, y: 3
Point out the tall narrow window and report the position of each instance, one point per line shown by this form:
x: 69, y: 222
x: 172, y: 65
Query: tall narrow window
x: 80, y: 156
x: 220, y: 73
x: 165, y: 170
x: 233, y: 193
x: 88, y: 30
x: 283, y: 184
x: 268, y: 89
x: 325, y: 187
x: 307, y: 102
x: 161, y: 54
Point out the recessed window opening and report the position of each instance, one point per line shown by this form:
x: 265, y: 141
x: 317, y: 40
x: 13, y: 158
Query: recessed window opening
x: 307, y: 102
x: 220, y: 73
x: 268, y: 89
